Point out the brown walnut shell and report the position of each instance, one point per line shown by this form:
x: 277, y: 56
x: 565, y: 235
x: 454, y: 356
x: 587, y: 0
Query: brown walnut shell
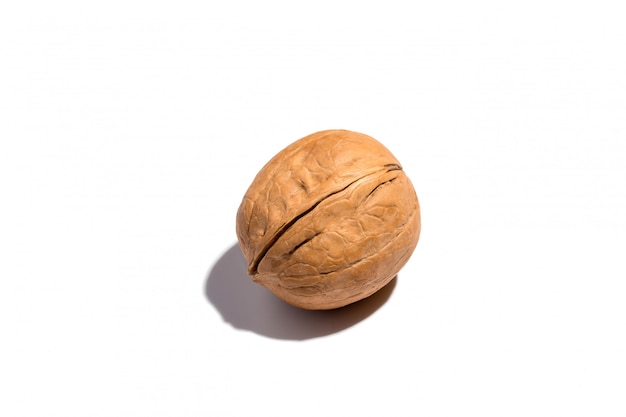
x: 329, y: 220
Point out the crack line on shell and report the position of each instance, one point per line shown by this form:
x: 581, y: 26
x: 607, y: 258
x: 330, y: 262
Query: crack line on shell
x: 381, y: 184
x: 281, y: 231
x: 252, y: 270
x: 304, y: 242
x: 393, y: 167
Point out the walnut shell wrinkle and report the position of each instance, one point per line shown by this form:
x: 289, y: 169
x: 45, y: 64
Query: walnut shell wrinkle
x: 329, y: 220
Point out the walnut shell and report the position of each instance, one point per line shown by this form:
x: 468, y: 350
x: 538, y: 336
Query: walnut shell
x: 329, y: 220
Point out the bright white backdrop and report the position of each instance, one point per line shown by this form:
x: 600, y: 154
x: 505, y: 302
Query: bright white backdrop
x: 131, y: 129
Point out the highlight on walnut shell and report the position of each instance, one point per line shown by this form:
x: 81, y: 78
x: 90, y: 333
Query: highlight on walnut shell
x: 329, y: 220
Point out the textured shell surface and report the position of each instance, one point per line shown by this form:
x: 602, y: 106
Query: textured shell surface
x: 329, y: 220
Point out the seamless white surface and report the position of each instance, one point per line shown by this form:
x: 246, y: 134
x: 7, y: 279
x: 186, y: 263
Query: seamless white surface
x: 130, y: 130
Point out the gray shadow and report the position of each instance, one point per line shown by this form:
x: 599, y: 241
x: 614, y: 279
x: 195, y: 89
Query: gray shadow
x: 249, y: 306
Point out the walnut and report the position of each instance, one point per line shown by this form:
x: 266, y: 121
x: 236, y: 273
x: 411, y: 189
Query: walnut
x: 329, y: 220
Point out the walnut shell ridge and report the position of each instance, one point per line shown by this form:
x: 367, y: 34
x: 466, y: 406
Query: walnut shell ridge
x: 329, y: 220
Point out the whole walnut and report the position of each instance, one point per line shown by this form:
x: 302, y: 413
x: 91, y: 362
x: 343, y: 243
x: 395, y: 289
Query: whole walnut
x: 329, y: 220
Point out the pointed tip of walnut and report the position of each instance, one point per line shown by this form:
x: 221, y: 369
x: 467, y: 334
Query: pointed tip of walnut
x: 329, y: 220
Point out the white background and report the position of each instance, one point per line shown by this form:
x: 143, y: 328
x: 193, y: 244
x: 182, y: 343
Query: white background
x: 131, y: 129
